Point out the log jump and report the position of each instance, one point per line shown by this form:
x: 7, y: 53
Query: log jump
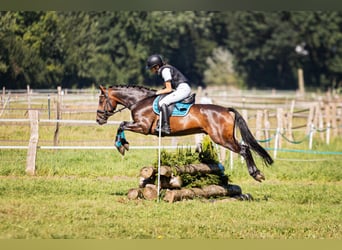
x: 174, y: 178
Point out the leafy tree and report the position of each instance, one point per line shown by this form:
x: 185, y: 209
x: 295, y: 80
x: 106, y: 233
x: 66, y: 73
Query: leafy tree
x: 76, y: 49
x: 221, y: 69
x: 321, y: 34
x: 18, y: 60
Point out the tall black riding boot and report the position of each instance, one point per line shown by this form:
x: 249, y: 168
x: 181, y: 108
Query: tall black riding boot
x: 165, y: 129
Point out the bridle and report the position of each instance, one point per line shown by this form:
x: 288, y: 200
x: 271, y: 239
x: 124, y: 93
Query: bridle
x: 108, y: 108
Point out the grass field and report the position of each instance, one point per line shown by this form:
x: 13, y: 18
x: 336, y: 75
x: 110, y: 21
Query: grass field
x: 81, y: 194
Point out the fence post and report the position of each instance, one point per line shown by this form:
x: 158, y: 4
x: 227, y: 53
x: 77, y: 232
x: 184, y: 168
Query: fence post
x: 58, y: 115
x: 301, y: 81
x: 312, y: 130
x: 310, y: 118
x: 49, y: 106
x: 334, y: 119
x: 290, y: 119
x: 280, y: 123
x: 33, y: 143
x: 267, y: 127
x: 28, y: 96
x: 276, y: 143
x: 258, y: 124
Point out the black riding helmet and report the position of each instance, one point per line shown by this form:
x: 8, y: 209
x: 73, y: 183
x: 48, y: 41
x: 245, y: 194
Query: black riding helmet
x: 154, y: 60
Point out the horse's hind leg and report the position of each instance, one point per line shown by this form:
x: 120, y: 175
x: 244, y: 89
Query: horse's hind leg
x: 242, y: 149
x: 252, y: 169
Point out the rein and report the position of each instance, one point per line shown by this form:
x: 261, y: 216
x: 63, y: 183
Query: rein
x: 109, y: 112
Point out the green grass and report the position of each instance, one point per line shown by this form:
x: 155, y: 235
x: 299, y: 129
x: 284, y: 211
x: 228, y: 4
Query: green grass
x: 43, y: 207
x: 82, y: 194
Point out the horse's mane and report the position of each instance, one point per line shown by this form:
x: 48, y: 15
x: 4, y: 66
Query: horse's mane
x: 146, y: 89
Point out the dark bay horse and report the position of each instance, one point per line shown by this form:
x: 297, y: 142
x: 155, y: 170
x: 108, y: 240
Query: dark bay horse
x: 216, y: 121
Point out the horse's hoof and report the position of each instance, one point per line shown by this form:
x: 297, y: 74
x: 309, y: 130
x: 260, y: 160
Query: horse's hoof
x: 121, y: 150
x: 126, y: 146
x: 259, y: 177
x: 243, y: 197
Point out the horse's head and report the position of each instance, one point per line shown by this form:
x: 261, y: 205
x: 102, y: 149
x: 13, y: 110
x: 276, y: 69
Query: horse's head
x: 106, y: 108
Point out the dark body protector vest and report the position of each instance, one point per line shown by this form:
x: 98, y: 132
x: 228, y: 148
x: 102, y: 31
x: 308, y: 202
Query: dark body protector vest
x: 176, y: 75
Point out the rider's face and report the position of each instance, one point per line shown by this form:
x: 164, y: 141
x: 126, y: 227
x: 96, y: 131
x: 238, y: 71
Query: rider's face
x: 154, y: 69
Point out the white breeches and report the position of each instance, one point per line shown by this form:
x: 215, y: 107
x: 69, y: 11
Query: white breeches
x: 183, y: 90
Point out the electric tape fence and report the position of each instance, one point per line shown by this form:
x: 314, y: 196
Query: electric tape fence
x: 309, y: 137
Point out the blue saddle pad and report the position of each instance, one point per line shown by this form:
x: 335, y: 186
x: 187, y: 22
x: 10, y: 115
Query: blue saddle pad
x: 180, y: 109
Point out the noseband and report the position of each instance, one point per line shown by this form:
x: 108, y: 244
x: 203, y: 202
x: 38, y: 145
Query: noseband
x: 108, y: 109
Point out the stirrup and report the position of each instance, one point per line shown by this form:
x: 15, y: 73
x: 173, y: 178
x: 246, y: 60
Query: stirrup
x: 164, y: 131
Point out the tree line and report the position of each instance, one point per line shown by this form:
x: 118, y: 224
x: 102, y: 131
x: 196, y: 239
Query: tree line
x: 250, y: 49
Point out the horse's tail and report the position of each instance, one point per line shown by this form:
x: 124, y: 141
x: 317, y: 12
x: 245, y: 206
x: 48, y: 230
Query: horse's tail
x: 249, y: 139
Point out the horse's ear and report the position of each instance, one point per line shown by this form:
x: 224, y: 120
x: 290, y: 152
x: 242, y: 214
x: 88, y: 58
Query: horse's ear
x: 103, y: 89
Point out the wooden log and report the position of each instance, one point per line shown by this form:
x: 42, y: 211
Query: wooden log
x: 170, y: 175
x: 147, y: 172
x: 205, y: 192
x: 170, y: 182
x: 150, y: 192
x: 147, y: 176
x: 143, y: 182
x: 134, y: 193
x: 176, y: 182
x: 191, y: 169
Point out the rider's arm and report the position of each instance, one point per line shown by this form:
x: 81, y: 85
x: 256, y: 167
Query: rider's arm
x: 166, y: 74
x: 166, y: 90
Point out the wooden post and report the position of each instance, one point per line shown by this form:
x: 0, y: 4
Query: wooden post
x: 258, y: 125
x: 280, y: 116
x: 310, y: 119
x: 28, y: 96
x: 276, y: 143
x: 311, y: 135
x: 289, y: 123
x: 301, y: 82
x: 58, y: 116
x: 316, y: 114
x: 320, y: 122
x: 267, y: 127
x: 33, y: 143
x: 334, y: 119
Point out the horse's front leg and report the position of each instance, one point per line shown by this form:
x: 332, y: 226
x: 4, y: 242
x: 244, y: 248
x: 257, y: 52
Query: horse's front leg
x: 136, y: 127
x: 120, y: 140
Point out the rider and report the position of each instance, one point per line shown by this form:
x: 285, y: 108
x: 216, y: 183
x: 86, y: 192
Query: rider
x: 176, y: 86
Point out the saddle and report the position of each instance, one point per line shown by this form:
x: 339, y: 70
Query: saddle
x: 180, y: 108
